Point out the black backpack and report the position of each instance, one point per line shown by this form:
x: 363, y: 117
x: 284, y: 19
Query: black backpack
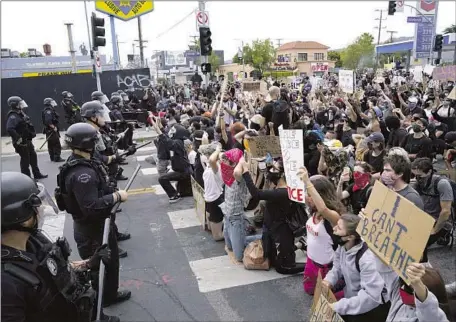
x: 297, y: 218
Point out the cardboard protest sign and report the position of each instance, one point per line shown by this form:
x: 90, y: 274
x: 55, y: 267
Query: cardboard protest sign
x: 452, y: 95
x: 321, y: 309
x: 200, y: 204
x: 260, y: 146
x: 253, y: 86
x: 292, y: 146
x: 444, y: 73
x: 346, y: 81
x: 395, y: 229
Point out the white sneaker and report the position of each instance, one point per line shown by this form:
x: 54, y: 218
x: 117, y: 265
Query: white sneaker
x: 147, y: 129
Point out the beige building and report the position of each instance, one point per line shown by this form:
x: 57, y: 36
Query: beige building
x: 307, y: 57
x: 234, y: 71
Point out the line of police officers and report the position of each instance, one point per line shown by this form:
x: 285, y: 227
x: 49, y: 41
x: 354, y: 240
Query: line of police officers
x: 38, y: 282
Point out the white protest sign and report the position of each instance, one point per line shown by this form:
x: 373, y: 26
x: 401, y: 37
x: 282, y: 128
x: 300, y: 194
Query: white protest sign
x: 292, y: 146
x: 346, y: 81
x: 418, y: 74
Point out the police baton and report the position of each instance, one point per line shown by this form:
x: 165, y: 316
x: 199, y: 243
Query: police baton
x: 47, y: 140
x: 121, y: 135
x: 105, y: 241
x: 138, y: 147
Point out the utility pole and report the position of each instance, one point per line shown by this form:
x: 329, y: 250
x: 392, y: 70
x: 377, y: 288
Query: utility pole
x: 118, y: 50
x: 391, y: 34
x: 115, y: 49
x: 204, y: 59
x: 88, y: 26
x: 72, y: 51
x: 141, y: 47
x: 379, y: 36
x: 279, y: 42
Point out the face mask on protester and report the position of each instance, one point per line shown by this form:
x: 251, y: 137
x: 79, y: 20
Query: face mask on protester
x: 274, y: 177
x: 339, y: 240
x: 361, y: 180
x: 422, y: 180
x: 416, y: 128
x: 388, y: 179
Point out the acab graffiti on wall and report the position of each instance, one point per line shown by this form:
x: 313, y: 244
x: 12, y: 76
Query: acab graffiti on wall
x: 35, y: 89
x: 134, y: 81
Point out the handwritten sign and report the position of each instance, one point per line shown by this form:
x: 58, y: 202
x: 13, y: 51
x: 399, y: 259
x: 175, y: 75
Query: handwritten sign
x: 452, y: 95
x: 260, y: 146
x: 444, y: 73
x: 321, y: 309
x: 346, y: 81
x: 253, y: 166
x: 254, y: 86
x: 395, y: 229
x: 200, y: 204
x: 292, y: 146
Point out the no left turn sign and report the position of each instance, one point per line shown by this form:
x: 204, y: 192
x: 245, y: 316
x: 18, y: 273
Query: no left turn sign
x: 202, y: 18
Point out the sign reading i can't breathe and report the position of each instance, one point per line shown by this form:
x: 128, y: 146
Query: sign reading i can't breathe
x: 124, y: 10
x: 395, y: 229
x: 292, y: 146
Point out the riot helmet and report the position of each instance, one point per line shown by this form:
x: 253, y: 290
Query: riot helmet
x: 116, y: 100
x: 67, y: 96
x: 99, y: 96
x: 81, y: 136
x: 20, y: 201
x: 49, y: 102
x: 15, y: 102
x: 92, y: 109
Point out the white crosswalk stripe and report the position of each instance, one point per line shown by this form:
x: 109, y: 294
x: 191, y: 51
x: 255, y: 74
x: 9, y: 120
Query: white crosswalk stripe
x: 221, y: 272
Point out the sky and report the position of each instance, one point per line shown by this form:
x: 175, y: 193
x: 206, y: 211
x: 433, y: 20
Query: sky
x: 30, y: 24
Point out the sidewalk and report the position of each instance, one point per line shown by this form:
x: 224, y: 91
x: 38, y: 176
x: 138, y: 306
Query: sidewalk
x: 139, y: 135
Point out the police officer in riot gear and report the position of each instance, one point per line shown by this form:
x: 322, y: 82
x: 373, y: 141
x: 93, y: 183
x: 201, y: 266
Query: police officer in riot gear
x: 85, y: 193
x: 71, y: 108
x: 50, y: 120
x: 38, y: 282
x: 22, y: 131
x: 105, y: 153
x: 100, y: 97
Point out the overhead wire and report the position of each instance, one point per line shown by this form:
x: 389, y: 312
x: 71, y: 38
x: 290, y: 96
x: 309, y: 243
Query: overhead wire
x: 176, y: 24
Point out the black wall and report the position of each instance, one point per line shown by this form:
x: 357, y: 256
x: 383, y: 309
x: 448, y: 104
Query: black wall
x: 35, y: 89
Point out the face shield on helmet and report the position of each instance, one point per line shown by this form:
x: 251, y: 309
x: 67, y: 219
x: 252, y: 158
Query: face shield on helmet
x: 53, y: 103
x: 48, y: 205
x: 125, y: 98
x: 22, y: 104
x: 104, y: 99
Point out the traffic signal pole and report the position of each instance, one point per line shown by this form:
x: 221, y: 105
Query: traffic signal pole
x: 204, y: 59
x: 115, y: 49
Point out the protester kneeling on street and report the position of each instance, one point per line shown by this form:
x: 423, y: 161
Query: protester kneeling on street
x: 365, y: 293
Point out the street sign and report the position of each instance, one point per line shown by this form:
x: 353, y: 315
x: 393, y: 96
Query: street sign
x: 202, y: 18
x: 400, y: 6
x: 423, y: 38
x: 97, y: 63
x: 124, y: 10
x: 419, y: 19
x: 191, y: 53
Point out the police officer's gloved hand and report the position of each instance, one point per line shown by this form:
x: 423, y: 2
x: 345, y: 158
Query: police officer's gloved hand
x: 131, y: 150
x: 101, y: 253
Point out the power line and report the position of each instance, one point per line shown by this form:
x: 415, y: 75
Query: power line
x: 176, y: 24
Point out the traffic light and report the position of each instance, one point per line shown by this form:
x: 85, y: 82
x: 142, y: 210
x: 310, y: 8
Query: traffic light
x: 438, y: 42
x: 98, y: 32
x: 205, y: 41
x: 391, y: 8
x: 206, y: 68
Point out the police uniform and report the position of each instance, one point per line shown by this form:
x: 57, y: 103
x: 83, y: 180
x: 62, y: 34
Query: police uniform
x: 38, y: 283
x: 71, y: 109
x: 51, y: 118
x: 22, y: 131
x: 84, y: 192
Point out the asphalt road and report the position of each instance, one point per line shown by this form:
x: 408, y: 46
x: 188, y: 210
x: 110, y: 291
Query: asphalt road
x: 176, y: 272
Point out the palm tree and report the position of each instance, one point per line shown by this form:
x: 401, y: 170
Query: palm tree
x: 450, y: 29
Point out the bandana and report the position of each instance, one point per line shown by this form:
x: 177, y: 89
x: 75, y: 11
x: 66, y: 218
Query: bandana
x: 361, y: 180
x: 234, y: 155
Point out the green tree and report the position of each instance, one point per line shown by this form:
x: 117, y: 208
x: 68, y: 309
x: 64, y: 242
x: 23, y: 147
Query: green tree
x: 24, y: 54
x: 236, y: 59
x: 260, y: 54
x: 335, y: 56
x: 450, y: 29
x: 214, y: 60
x: 360, y: 53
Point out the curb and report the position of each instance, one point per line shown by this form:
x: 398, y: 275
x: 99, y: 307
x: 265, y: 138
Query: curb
x: 138, y: 140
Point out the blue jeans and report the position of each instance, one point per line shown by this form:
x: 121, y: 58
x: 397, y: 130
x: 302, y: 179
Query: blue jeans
x: 235, y: 237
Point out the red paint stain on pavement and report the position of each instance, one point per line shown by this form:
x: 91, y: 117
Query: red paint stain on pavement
x: 129, y: 283
x: 166, y: 279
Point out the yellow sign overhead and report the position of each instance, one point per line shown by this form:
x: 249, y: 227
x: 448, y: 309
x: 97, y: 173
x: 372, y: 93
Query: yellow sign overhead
x: 124, y: 10
x: 66, y: 72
